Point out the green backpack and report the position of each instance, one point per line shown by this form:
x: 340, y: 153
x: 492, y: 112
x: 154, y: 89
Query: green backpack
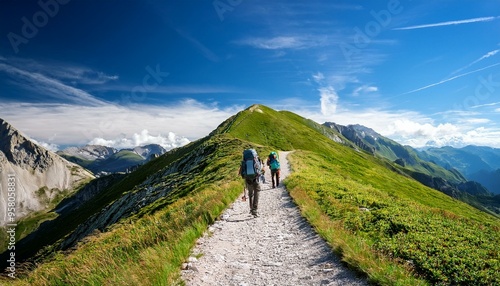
x: 274, y: 163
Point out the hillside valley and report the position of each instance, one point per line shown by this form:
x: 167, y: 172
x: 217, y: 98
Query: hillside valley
x: 478, y: 163
x: 385, y: 212
x: 103, y: 160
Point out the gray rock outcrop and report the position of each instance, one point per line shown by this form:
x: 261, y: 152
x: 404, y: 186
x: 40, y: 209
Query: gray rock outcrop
x: 40, y: 175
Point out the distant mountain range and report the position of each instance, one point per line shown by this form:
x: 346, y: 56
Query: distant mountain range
x: 477, y: 163
x: 104, y: 160
x: 471, y: 163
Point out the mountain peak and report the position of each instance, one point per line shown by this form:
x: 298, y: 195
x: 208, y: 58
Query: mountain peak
x: 21, y: 151
x: 40, y: 174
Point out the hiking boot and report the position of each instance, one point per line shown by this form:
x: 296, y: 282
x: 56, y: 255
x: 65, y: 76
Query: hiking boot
x: 255, y: 214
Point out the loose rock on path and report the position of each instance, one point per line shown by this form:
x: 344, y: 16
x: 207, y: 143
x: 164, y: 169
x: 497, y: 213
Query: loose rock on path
x: 277, y: 248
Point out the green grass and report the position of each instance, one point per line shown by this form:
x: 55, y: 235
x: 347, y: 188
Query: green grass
x: 78, y: 160
x: 144, y: 251
x: 417, y: 230
x: 63, y: 225
x: 148, y: 247
x: 26, y: 225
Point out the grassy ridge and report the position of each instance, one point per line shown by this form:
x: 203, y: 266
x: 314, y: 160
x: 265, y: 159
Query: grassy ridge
x: 279, y: 130
x: 416, y: 229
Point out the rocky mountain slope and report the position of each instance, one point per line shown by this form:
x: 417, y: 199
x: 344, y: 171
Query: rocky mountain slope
x: 41, y: 177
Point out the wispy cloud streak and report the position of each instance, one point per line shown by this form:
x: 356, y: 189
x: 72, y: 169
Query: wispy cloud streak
x: 487, y: 55
x: 449, y: 23
x: 450, y: 79
x: 51, y: 87
x: 284, y: 42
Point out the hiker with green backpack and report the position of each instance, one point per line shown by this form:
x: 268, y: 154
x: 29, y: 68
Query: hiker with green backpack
x: 274, y: 164
x: 250, y: 171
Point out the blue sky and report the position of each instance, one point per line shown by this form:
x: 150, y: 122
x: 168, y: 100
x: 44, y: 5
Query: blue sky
x: 126, y: 73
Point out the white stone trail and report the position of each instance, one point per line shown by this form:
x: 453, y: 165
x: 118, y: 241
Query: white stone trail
x: 277, y: 248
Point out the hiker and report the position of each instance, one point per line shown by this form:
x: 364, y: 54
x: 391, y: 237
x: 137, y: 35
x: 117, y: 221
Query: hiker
x: 250, y: 170
x: 274, y: 164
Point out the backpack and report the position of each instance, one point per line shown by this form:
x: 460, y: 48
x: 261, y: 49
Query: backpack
x: 274, y: 164
x: 250, y: 166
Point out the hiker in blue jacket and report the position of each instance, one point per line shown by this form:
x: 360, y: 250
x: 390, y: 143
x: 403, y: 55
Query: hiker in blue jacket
x: 250, y: 171
x: 274, y: 164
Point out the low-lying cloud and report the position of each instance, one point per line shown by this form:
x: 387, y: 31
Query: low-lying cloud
x: 170, y: 141
x: 74, y: 125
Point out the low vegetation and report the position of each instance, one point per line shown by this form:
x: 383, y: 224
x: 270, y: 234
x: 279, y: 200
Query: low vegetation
x: 148, y: 247
x: 417, y: 232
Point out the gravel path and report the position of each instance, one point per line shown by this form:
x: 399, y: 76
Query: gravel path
x: 277, y: 248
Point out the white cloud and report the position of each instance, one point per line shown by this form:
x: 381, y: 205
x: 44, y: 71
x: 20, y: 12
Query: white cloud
x: 275, y: 43
x: 143, y: 138
x: 328, y: 99
x: 477, y: 120
x: 319, y: 77
x: 50, y: 87
x: 64, y: 124
x: 413, y: 133
x: 63, y: 72
x: 364, y: 89
x: 49, y: 146
x: 408, y: 127
x: 284, y: 42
